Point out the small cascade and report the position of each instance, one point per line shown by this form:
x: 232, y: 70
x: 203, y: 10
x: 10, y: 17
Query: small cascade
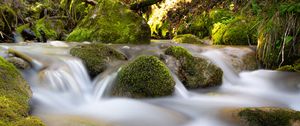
x: 180, y: 89
x: 104, y: 85
x: 217, y: 57
x: 67, y: 75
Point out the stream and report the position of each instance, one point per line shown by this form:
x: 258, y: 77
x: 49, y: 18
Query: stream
x: 64, y: 94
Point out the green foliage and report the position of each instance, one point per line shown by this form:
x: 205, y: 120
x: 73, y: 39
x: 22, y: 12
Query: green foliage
x: 279, y: 36
x: 195, y: 72
x: 144, y: 77
x: 187, y: 38
x: 52, y: 28
x: 96, y: 56
x: 111, y: 22
x: 269, y: 116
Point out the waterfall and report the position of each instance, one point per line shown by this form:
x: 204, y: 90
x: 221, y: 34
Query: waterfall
x: 180, y: 89
x: 68, y: 74
x: 217, y: 57
x: 104, y: 85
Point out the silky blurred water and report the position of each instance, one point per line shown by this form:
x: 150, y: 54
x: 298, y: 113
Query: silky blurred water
x: 64, y: 90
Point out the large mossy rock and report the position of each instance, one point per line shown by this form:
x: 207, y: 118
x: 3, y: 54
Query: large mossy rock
x: 144, y: 77
x: 96, y: 56
x: 14, y: 95
x: 238, y: 31
x: 262, y: 116
x: 195, y: 72
x: 111, y: 22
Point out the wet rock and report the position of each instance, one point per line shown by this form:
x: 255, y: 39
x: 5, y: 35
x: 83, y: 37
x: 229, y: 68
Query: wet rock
x: 144, y: 77
x: 96, y: 56
x: 103, y: 24
x: 195, y: 72
x: 27, y: 34
x: 265, y: 116
x: 187, y: 38
x: 19, y: 63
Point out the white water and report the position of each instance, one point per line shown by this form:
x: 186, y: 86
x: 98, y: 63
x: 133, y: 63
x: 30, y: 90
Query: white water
x: 64, y: 90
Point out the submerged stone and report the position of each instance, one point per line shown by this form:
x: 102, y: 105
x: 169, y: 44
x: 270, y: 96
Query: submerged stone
x: 144, y: 77
x: 19, y: 63
x: 195, y: 72
x: 111, y: 22
x: 96, y: 56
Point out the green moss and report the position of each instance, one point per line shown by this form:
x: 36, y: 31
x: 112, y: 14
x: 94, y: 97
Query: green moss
x: 178, y: 52
x: 217, y: 33
x: 187, y: 38
x: 195, y: 72
x: 96, y: 56
x: 29, y: 121
x: 9, y: 110
x: 288, y: 68
x: 269, y: 116
x: 146, y: 76
x: 237, y: 31
x: 111, y: 22
x: 12, y: 85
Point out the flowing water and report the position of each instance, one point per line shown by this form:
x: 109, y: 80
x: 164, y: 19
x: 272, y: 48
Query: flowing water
x: 63, y: 93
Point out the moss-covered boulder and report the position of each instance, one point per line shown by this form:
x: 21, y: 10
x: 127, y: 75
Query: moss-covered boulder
x: 238, y: 31
x: 195, y: 72
x: 96, y: 56
x: 144, y: 77
x: 30, y: 121
x: 111, y: 22
x: 262, y: 116
x: 12, y: 84
x: 187, y: 38
x: 14, y: 95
